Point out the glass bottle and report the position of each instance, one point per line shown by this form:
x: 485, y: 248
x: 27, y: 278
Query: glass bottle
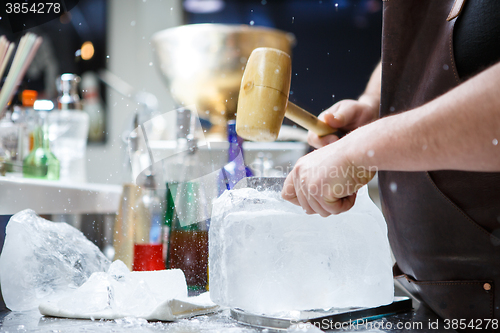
x: 92, y: 105
x: 148, y: 252
x: 9, y: 140
x: 235, y: 169
x: 69, y: 127
x: 169, y: 221
x: 188, y: 248
x: 41, y: 162
x: 263, y: 166
x: 27, y: 119
x: 188, y: 242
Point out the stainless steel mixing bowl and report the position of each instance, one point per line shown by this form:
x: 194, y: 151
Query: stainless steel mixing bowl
x: 203, y: 64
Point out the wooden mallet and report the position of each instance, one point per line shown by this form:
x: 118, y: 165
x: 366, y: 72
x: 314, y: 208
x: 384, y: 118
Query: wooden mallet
x: 263, y: 99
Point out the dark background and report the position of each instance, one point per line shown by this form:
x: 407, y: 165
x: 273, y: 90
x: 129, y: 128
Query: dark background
x: 64, y: 36
x: 338, y: 42
x: 86, y: 21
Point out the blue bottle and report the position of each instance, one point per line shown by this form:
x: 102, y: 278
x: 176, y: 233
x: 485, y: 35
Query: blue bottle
x: 235, y: 169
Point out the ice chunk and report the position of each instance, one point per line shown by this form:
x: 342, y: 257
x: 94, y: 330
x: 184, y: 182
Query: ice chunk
x: 41, y: 259
x: 132, y: 322
x: 267, y: 255
x: 119, y: 293
x: 155, y: 295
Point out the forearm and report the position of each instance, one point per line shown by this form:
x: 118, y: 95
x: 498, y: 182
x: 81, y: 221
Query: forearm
x: 458, y: 131
x: 371, y: 95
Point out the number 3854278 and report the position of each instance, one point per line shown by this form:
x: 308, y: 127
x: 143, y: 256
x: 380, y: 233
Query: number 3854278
x: 34, y: 8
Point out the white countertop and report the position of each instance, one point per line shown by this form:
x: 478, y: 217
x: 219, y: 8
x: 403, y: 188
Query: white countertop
x: 56, y: 197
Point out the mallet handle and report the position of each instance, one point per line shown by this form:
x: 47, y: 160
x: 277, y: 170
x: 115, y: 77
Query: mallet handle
x: 309, y: 121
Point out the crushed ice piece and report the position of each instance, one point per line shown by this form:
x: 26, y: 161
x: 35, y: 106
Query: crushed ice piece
x: 128, y: 322
x: 267, y: 256
x: 156, y: 295
x: 41, y: 259
x: 34, y: 322
x: 117, y: 270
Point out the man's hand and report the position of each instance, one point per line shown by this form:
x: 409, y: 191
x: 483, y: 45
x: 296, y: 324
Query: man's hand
x: 459, y: 130
x: 346, y: 115
x: 326, y: 180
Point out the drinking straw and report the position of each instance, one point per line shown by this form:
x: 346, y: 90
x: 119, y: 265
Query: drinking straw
x: 28, y: 46
x: 6, y: 58
x: 4, y: 44
x: 6, y: 49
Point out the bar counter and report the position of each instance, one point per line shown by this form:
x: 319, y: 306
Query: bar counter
x: 421, y: 320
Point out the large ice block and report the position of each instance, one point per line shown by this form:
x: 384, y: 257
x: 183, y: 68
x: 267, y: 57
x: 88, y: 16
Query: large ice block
x: 40, y: 259
x: 268, y: 256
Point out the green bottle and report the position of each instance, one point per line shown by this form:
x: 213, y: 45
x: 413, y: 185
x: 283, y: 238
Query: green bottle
x: 188, y: 248
x: 41, y: 163
x: 169, y: 220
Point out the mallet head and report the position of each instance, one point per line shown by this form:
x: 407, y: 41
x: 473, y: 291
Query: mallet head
x: 263, y: 94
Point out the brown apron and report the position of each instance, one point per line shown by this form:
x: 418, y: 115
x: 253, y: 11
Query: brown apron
x: 442, y: 224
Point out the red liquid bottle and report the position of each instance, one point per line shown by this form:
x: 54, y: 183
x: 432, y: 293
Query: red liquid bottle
x: 148, y: 253
x: 148, y: 257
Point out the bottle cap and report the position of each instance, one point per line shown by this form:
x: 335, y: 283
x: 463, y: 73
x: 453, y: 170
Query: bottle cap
x: 150, y: 182
x: 67, y: 86
x: 28, y: 97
